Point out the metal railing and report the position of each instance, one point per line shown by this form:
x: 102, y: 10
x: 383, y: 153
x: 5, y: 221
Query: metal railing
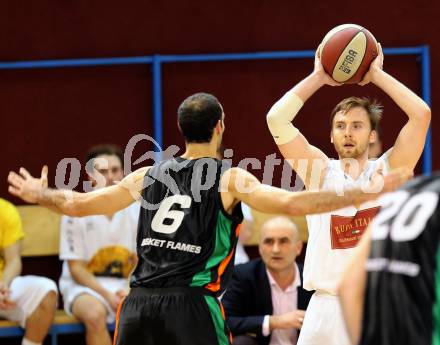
x: 420, y: 52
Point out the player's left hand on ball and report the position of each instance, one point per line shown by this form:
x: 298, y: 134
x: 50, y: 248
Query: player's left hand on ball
x: 27, y: 187
x: 319, y: 70
x: 375, y: 66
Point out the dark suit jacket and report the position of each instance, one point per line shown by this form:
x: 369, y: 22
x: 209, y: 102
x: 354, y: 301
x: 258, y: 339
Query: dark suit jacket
x: 248, y: 299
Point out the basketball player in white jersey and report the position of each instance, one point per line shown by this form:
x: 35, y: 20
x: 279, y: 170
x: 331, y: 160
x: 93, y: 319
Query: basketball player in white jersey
x: 333, y: 235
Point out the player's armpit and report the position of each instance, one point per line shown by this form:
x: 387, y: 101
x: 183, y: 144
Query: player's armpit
x: 411, y: 139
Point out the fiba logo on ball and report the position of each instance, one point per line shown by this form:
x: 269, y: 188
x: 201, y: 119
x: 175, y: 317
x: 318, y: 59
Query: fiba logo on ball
x: 346, y: 53
x: 348, y: 61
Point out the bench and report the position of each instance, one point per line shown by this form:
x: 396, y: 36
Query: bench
x: 62, y: 324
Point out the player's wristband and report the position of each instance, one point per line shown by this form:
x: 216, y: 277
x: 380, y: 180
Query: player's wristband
x: 279, y: 119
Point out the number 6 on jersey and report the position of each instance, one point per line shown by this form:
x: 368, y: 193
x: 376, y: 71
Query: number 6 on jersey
x: 165, y: 212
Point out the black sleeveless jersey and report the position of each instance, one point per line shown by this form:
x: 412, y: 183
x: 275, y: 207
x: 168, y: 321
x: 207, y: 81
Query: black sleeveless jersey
x: 185, y: 237
x: 402, y: 301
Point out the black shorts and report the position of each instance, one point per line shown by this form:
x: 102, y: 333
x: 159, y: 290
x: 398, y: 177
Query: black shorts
x: 168, y: 316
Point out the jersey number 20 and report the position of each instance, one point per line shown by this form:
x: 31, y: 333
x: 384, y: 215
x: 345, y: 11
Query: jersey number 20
x: 410, y: 215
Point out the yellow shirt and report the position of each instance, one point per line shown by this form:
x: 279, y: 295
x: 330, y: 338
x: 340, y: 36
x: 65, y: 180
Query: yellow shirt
x: 11, y: 230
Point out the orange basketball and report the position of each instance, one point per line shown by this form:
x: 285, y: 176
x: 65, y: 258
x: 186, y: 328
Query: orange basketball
x: 347, y: 52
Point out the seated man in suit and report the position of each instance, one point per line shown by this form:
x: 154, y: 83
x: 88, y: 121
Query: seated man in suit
x: 265, y: 298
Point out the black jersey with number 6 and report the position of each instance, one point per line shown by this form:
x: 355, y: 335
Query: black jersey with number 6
x: 402, y: 304
x: 185, y: 237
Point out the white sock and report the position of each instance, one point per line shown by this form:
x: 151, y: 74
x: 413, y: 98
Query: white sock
x: 28, y: 342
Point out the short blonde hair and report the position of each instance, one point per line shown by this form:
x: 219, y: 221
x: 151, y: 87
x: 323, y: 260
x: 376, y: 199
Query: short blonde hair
x: 373, y: 108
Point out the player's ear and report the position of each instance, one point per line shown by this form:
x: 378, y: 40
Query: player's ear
x: 299, y: 246
x: 331, y: 136
x: 218, y: 127
x: 373, y: 136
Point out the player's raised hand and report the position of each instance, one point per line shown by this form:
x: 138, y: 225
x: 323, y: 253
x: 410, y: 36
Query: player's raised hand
x: 319, y: 70
x: 375, y: 66
x: 27, y: 187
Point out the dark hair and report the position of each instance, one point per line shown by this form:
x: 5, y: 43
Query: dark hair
x: 372, y: 107
x: 105, y: 149
x: 197, y: 117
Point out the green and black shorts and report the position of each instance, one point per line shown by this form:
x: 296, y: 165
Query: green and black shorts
x: 171, y: 316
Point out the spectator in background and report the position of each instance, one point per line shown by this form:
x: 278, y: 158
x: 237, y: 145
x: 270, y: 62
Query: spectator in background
x: 29, y: 300
x: 99, y: 253
x: 266, y: 301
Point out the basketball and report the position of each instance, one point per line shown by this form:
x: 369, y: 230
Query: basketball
x: 347, y: 52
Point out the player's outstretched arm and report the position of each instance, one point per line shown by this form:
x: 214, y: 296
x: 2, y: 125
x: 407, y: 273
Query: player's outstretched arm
x: 240, y: 185
x: 411, y: 139
x: 292, y: 144
x: 102, y: 201
x: 352, y: 289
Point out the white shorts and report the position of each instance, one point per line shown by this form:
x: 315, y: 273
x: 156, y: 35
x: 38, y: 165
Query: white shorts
x: 71, y: 290
x: 323, y: 322
x: 27, y: 292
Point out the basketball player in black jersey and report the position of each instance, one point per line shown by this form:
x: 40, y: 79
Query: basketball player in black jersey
x: 187, y: 229
x: 391, y: 292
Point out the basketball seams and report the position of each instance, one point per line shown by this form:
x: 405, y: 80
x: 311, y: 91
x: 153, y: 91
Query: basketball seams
x: 350, y: 32
x: 339, y: 28
x: 355, y: 37
x: 363, y: 57
x: 347, y: 51
x: 336, y: 60
x: 369, y: 37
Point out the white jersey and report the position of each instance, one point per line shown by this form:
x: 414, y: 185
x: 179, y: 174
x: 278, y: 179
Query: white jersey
x: 108, y: 246
x: 333, y: 236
